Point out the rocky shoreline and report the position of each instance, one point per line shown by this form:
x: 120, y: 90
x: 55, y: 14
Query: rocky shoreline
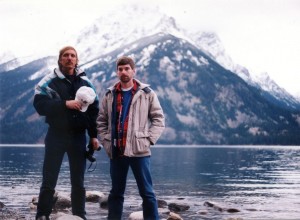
x: 168, y: 210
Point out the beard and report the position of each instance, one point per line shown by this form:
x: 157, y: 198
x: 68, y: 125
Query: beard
x: 125, y: 79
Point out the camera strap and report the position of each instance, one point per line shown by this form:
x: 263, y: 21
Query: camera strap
x: 93, y: 169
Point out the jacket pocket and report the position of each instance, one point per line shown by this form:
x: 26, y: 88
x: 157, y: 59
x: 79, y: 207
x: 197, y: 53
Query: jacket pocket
x: 107, y: 144
x: 141, y: 142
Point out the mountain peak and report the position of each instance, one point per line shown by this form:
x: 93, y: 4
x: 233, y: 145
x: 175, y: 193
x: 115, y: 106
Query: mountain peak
x: 122, y: 26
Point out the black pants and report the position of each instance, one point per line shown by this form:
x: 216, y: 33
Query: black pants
x: 56, y: 145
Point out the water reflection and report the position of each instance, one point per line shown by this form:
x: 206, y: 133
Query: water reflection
x: 267, y: 180
x: 263, y: 179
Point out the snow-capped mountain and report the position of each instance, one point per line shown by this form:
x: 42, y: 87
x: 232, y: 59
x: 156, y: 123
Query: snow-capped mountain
x: 207, y: 98
x: 204, y: 103
x: 128, y: 23
x: 120, y: 27
x: 131, y: 23
x: 211, y: 43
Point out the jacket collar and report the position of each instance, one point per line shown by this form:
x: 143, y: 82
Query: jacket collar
x: 140, y: 85
x: 78, y: 72
x: 118, y: 87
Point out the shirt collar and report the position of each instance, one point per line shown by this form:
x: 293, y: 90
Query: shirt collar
x: 134, y: 88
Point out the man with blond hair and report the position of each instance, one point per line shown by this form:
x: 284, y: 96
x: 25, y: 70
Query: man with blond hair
x: 69, y: 103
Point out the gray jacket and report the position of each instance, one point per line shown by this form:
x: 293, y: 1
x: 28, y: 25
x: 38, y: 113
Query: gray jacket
x: 146, y: 122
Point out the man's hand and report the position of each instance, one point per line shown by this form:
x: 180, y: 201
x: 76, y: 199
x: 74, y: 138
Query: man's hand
x: 95, y: 143
x: 73, y: 104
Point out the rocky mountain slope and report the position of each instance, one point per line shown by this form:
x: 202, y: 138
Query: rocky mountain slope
x: 207, y: 98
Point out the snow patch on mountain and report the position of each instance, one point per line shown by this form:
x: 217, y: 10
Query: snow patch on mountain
x: 187, y: 119
x: 123, y: 26
x: 6, y: 56
x: 267, y: 84
x: 146, y: 56
x: 50, y: 65
x: 16, y: 62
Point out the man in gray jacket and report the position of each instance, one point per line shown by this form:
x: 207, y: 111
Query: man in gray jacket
x: 130, y: 120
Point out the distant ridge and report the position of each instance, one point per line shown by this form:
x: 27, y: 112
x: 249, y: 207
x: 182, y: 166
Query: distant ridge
x: 204, y: 100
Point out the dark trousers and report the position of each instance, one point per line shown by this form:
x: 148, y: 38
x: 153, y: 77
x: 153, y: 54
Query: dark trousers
x: 141, y: 170
x: 56, y: 145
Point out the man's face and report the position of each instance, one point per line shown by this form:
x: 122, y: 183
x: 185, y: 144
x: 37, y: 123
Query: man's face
x: 125, y: 73
x: 68, y: 60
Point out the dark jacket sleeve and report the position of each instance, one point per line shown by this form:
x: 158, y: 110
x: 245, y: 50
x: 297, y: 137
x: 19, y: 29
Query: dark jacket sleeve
x: 46, y: 106
x: 93, y: 114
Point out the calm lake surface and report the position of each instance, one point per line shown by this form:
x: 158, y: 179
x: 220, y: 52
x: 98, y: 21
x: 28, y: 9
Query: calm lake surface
x: 262, y: 182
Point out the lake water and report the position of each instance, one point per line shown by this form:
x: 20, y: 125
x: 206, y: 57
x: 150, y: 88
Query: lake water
x: 262, y: 182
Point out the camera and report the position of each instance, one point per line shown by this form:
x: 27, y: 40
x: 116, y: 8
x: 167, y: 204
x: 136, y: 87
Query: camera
x: 89, y: 154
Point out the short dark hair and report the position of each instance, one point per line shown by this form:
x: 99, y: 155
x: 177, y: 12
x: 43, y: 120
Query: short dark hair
x: 124, y: 60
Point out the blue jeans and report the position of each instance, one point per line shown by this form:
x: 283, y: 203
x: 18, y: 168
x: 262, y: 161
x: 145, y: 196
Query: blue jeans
x: 56, y: 145
x: 141, y: 170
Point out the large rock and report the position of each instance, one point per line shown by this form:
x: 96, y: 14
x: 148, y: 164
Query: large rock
x: 94, y: 196
x: 64, y: 216
x: 103, y: 202
x: 136, y: 216
x: 161, y: 203
x: 176, y: 207
x: 61, y: 201
x: 219, y: 208
x: 174, y: 216
x: 163, y: 211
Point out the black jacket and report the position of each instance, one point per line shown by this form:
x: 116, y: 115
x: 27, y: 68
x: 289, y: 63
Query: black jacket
x: 50, y: 98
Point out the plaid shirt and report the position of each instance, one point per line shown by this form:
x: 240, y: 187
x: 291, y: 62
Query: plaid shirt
x: 122, y: 129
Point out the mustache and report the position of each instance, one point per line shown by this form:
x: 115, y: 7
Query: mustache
x: 125, y: 78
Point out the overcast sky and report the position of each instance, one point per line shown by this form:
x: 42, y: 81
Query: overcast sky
x: 262, y: 35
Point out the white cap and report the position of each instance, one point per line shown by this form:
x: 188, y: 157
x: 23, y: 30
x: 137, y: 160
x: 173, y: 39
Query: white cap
x: 86, y: 95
